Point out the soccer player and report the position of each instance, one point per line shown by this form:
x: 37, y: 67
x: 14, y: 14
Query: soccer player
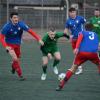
x: 50, y: 49
x: 10, y: 38
x: 86, y: 49
x: 73, y: 26
x: 95, y: 20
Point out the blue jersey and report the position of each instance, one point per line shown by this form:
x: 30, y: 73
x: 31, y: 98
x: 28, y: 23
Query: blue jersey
x: 75, y: 25
x: 13, y: 33
x: 89, y: 43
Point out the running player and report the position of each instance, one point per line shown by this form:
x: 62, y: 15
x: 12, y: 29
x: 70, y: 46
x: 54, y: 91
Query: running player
x: 10, y: 38
x: 50, y: 49
x: 86, y: 49
x: 73, y: 26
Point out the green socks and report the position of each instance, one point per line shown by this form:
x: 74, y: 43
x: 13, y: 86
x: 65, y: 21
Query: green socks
x: 44, y: 67
x: 56, y: 62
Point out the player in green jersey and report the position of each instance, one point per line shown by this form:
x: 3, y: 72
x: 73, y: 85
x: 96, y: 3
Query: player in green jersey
x: 50, y: 49
x: 95, y: 20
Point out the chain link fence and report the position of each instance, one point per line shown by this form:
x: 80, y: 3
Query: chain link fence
x: 40, y: 16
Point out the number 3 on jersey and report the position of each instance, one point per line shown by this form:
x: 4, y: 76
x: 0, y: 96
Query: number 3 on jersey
x: 91, y: 35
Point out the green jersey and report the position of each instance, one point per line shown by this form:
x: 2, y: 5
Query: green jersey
x: 96, y: 23
x: 50, y: 45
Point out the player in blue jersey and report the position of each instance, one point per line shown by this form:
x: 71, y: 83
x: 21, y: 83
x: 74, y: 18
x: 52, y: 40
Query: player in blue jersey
x: 73, y: 26
x: 86, y: 49
x: 10, y: 38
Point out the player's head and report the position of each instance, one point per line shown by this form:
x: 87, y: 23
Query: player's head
x: 51, y: 32
x: 89, y: 27
x: 14, y: 17
x: 97, y: 12
x: 72, y: 12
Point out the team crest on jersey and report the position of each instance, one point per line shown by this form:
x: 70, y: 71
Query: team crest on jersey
x: 19, y: 28
x: 77, y: 21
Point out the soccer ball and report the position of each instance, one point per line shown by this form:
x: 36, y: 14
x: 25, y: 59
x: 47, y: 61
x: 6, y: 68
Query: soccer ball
x: 61, y: 76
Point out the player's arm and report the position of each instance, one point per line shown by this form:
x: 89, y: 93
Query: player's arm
x: 44, y: 39
x: 67, y: 27
x: 61, y: 34
x: 34, y: 34
x: 67, y: 30
x: 2, y: 35
x: 80, y: 37
x: 67, y: 36
x: 8, y: 49
x: 2, y: 40
x: 95, y: 25
x: 83, y: 20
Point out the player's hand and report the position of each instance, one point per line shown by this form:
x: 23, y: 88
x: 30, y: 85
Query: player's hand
x: 49, y: 56
x: 76, y: 50
x: 66, y: 35
x: 8, y: 48
x: 41, y: 42
x: 71, y: 37
x: 11, y: 52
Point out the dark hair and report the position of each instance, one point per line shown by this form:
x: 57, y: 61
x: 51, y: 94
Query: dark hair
x: 72, y: 9
x: 52, y: 29
x: 13, y: 13
x: 89, y: 26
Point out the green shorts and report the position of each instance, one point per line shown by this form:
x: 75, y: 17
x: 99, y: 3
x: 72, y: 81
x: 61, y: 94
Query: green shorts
x: 52, y: 51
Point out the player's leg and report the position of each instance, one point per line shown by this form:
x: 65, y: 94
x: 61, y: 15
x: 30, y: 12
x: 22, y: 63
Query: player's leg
x: 57, y: 58
x: 69, y: 73
x: 80, y: 68
x: 17, y: 68
x: 12, y: 70
x: 99, y: 53
x: 16, y: 63
x: 17, y: 51
x: 98, y: 66
x: 44, y: 67
x: 78, y: 60
x: 95, y: 59
x: 13, y: 47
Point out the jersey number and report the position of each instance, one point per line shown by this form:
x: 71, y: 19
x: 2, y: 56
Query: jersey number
x: 91, y: 35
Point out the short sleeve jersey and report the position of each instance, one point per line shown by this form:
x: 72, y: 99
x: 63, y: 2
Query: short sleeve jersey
x: 75, y: 25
